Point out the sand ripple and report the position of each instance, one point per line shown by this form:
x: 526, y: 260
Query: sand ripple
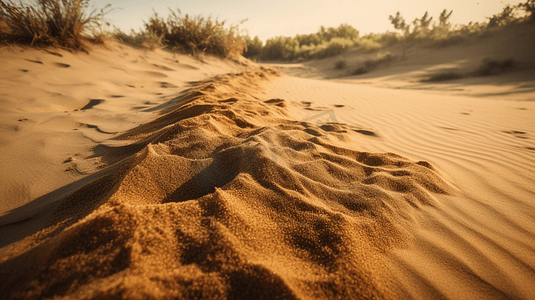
x: 226, y: 196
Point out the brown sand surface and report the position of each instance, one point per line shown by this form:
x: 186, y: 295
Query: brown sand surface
x: 55, y: 106
x: 477, y: 242
x: 253, y: 184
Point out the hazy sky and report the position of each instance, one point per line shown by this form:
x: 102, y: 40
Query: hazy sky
x: 269, y: 18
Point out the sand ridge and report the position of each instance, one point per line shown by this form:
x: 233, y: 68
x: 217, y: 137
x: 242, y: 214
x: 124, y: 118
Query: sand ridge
x: 226, y: 195
x: 478, y: 242
x: 55, y: 106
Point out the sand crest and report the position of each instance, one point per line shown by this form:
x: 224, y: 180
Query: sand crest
x: 226, y: 195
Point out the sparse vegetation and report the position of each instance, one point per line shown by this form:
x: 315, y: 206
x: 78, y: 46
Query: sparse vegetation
x: 145, y: 39
x: 197, y: 35
x: 68, y: 23
x: 487, y: 68
x: 326, y: 42
x: 47, y: 22
x: 372, y: 64
x: 254, y: 46
x: 340, y: 65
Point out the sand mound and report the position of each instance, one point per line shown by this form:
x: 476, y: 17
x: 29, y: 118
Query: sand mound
x: 225, y: 196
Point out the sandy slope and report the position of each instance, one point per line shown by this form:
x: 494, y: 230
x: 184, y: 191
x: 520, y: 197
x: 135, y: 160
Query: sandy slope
x: 479, y: 241
x: 48, y: 128
x: 257, y: 185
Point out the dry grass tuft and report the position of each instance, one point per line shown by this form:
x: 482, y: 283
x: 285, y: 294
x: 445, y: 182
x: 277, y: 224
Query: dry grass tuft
x: 197, y: 35
x: 47, y: 22
x: 372, y: 64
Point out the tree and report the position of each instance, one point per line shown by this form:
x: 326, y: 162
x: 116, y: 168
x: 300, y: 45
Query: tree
x: 529, y: 8
x: 442, y: 29
x: 399, y: 23
x: 421, y: 26
x: 443, y: 19
x: 254, y: 46
x: 507, y: 16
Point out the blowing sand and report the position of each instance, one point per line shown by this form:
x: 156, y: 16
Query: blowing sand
x: 249, y: 184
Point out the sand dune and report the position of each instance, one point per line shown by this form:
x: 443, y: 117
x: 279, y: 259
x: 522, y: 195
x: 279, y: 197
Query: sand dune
x: 62, y: 104
x: 243, y: 183
x: 479, y: 241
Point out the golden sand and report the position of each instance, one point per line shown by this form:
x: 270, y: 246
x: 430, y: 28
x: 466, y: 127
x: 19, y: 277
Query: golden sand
x: 243, y: 183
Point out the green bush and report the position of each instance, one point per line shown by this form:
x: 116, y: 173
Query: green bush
x: 369, y: 45
x: 254, y: 46
x: 144, y: 39
x: 334, y: 47
x: 325, y: 43
x: 280, y: 47
x: 47, y: 22
x: 197, y: 35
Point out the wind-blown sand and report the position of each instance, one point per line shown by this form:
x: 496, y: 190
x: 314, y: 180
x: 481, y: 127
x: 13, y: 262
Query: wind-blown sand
x: 252, y: 184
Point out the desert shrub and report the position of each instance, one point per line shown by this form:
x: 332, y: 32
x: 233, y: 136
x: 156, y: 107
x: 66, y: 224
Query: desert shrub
x: 448, y: 40
x: 47, y: 22
x: 325, y: 43
x: 343, y: 31
x: 369, y: 45
x: 340, y: 65
x: 197, y: 35
x: 145, y: 39
x: 280, y: 48
x: 388, y: 38
x: 308, y: 39
x: 334, y: 47
x: 371, y: 64
x: 494, y: 67
x: 529, y: 10
x: 506, y: 16
x: 254, y: 46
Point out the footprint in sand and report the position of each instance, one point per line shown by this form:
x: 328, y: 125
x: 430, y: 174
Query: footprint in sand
x: 276, y: 102
x: 92, y: 103
x: 117, y: 96
x: 61, y: 65
x: 173, y: 60
x: 229, y: 101
x: 339, y: 105
x: 364, y: 131
x: 164, y: 68
x: 35, y: 61
x: 97, y: 128
x: 57, y: 64
x: 515, y: 133
x: 152, y: 84
x: 318, y: 108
